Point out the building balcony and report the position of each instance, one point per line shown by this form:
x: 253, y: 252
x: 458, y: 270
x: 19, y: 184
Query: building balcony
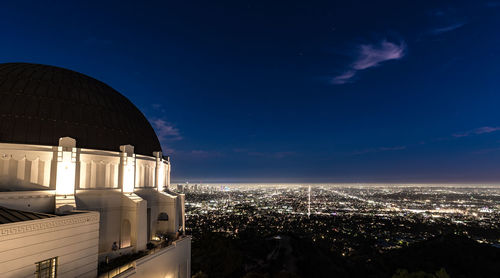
x: 159, y: 255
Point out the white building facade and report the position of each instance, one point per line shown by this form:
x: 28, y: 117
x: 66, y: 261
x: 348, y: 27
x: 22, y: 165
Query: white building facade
x: 69, y: 243
x: 114, y: 200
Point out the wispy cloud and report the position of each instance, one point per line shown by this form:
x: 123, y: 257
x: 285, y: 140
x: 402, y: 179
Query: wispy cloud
x: 485, y: 151
x: 371, y: 55
x: 197, y: 154
x: 168, y: 151
x: 477, y: 131
x: 203, y: 154
x: 159, y: 108
x: 166, y: 133
x: 276, y: 155
x: 380, y: 149
x: 448, y: 28
x: 344, y: 77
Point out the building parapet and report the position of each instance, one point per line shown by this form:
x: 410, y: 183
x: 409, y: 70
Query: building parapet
x: 33, y: 226
x: 37, y: 167
x: 130, y: 269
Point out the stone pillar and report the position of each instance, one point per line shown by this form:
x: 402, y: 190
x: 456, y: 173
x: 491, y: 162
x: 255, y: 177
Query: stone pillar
x: 65, y: 174
x: 126, y: 178
x: 167, y: 174
x: 159, y: 172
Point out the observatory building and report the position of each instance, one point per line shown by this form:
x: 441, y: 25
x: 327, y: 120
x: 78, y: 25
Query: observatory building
x: 83, y: 182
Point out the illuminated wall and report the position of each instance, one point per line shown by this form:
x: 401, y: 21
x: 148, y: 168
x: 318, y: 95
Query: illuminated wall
x: 171, y: 262
x: 97, y: 180
x: 26, y: 166
x: 98, y: 169
x: 43, y: 167
x: 66, y: 171
x: 71, y: 238
x: 145, y: 171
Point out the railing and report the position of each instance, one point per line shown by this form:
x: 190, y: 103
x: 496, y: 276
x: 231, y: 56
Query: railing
x: 131, y: 265
x: 118, y: 270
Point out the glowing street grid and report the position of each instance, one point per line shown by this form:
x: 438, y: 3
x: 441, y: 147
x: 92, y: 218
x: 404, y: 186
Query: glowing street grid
x: 350, y: 218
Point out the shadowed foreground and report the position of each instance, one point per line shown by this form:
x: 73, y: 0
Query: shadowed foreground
x: 289, y: 256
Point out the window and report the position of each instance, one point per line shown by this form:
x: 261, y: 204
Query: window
x: 47, y: 268
x: 163, y: 216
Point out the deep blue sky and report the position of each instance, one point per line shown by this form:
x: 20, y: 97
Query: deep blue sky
x: 290, y: 91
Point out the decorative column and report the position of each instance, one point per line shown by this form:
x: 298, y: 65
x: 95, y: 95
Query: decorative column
x: 167, y: 170
x: 65, y: 174
x: 159, y: 172
x: 126, y: 178
x: 134, y: 208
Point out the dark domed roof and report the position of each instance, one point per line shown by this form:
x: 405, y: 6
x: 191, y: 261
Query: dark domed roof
x: 39, y: 104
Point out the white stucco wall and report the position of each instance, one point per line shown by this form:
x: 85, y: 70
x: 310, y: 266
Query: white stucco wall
x: 72, y: 238
x: 171, y: 262
x: 36, y: 201
x: 162, y: 202
x: 174, y: 261
x: 134, y: 211
x: 34, y: 167
x: 26, y: 167
x: 97, y: 169
x: 114, y: 208
x: 145, y: 168
x: 64, y: 177
x: 109, y: 204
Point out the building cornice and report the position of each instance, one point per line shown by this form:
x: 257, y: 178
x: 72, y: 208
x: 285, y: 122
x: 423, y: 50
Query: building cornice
x: 29, y: 226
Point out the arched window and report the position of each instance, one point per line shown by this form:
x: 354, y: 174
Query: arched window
x: 163, y: 216
x: 125, y: 234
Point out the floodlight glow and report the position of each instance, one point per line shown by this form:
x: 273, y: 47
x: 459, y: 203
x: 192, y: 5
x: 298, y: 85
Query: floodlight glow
x: 161, y: 176
x: 66, y: 168
x: 128, y: 178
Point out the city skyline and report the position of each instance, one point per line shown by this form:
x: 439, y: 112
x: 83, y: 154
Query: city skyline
x: 289, y: 92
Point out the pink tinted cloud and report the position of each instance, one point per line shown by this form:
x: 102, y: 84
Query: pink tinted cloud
x: 344, y: 78
x: 477, y: 131
x: 369, y: 56
x: 486, y: 151
x: 277, y: 155
x: 165, y: 130
x: 380, y: 149
x: 372, y: 55
x: 166, y: 133
x: 204, y: 154
x: 448, y: 28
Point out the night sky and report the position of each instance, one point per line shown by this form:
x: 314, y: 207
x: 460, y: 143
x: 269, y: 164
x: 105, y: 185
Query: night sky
x: 317, y: 91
